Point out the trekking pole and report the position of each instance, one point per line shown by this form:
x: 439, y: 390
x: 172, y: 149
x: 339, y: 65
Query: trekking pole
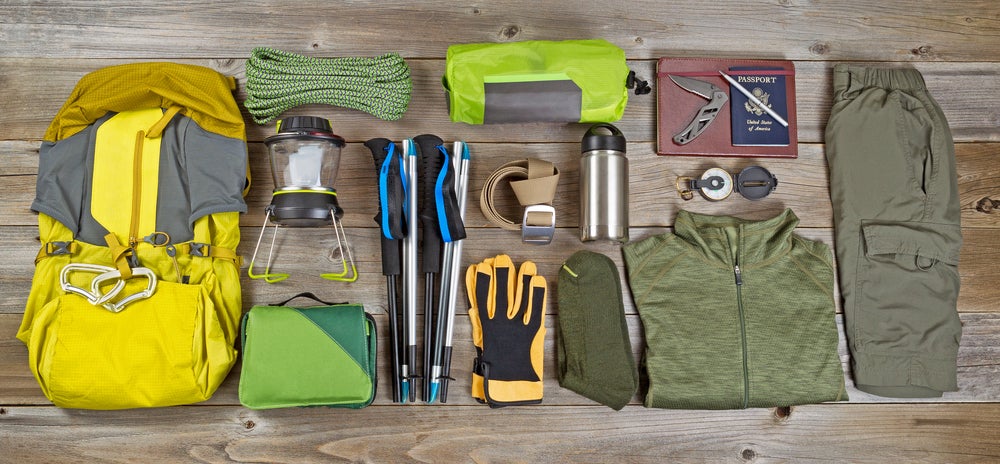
x: 390, y: 221
x: 450, y: 279
x: 410, y: 154
x: 431, y: 166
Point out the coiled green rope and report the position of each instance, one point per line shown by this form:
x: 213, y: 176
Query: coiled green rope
x: 279, y: 80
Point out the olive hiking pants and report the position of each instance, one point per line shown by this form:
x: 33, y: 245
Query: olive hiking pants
x: 896, y: 213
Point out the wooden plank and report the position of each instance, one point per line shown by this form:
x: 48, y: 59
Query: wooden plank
x: 803, y: 185
x: 978, y: 366
x: 850, y: 433
x: 852, y: 29
x: 313, y: 255
x: 967, y: 93
x: 20, y: 158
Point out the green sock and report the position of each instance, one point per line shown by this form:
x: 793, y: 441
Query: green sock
x: 593, y: 351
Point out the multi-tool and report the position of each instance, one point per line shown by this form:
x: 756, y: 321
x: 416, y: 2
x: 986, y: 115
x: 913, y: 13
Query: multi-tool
x: 717, y: 98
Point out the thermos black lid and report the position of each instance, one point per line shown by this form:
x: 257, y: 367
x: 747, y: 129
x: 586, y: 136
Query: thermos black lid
x: 596, y: 138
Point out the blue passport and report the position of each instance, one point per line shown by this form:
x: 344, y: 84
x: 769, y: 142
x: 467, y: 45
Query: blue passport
x: 751, y: 125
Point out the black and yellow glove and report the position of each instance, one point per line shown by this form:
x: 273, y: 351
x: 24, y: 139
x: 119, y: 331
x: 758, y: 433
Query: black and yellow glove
x: 508, y: 329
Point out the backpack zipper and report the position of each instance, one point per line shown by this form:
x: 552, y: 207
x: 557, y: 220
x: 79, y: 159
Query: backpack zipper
x: 133, y: 231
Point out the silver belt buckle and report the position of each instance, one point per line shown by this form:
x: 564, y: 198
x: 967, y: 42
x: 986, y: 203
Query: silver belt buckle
x: 538, y: 234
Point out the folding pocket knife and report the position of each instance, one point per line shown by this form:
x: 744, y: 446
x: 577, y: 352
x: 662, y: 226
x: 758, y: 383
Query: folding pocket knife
x: 717, y: 98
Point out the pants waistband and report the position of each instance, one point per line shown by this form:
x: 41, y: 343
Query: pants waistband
x: 846, y: 76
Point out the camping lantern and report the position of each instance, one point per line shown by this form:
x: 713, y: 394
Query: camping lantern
x: 304, y: 157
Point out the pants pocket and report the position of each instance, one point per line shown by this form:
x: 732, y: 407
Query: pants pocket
x: 907, y: 289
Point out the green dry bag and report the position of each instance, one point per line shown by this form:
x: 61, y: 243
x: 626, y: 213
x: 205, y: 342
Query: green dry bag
x: 536, y: 81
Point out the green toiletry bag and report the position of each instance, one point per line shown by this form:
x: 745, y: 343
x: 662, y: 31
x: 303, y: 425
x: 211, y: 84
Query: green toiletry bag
x: 316, y: 356
x: 536, y: 81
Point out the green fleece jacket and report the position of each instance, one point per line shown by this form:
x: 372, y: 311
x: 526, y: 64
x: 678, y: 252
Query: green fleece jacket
x: 737, y: 314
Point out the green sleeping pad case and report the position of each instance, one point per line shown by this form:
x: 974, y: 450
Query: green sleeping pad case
x: 536, y: 81
x: 317, y: 356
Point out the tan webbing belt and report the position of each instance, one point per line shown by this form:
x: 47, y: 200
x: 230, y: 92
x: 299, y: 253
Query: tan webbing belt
x: 534, y: 191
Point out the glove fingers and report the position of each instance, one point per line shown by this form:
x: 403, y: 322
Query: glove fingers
x: 470, y: 286
x: 524, y: 299
x: 524, y: 275
x: 539, y: 293
x: 504, y: 284
x: 485, y: 283
x: 477, y: 302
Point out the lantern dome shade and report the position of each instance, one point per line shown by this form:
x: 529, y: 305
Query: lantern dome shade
x: 304, y: 154
x: 304, y: 163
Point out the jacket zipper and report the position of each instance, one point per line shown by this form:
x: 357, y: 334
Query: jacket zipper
x: 743, y: 332
x: 738, y: 279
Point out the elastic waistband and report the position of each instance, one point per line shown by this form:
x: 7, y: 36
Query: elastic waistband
x: 847, y: 76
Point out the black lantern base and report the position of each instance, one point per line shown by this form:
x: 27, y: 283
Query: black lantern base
x: 304, y: 208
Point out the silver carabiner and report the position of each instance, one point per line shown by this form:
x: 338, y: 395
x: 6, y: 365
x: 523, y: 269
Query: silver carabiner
x: 94, y: 297
x: 104, y: 274
x: 116, y: 307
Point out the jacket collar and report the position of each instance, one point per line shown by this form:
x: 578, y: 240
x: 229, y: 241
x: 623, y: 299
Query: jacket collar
x: 722, y: 238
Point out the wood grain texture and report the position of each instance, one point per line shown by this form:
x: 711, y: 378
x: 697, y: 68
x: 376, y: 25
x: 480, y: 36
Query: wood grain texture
x: 850, y: 433
x: 30, y: 103
x: 955, y: 45
x: 978, y: 363
x: 889, y: 31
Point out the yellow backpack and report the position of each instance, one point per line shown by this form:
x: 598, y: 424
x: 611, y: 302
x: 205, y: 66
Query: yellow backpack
x: 135, y: 301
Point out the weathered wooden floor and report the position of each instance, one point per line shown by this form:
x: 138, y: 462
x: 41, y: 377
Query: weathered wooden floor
x: 47, y: 47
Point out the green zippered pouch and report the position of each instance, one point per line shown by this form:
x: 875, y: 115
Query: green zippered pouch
x: 314, y: 356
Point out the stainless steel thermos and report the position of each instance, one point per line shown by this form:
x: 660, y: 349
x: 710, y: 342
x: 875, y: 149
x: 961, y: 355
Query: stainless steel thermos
x: 603, y: 185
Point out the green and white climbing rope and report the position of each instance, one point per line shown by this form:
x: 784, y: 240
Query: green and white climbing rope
x: 279, y: 80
